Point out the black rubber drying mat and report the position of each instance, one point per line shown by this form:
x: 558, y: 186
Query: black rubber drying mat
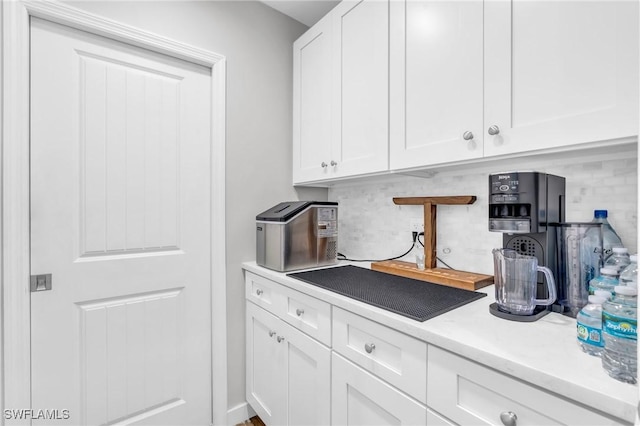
x: 415, y: 299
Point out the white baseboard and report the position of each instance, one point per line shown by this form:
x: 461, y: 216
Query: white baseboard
x: 239, y: 413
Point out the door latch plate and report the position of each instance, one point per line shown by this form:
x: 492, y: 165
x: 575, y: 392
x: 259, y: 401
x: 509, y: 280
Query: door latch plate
x: 40, y: 282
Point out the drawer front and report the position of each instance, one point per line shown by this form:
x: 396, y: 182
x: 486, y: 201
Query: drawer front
x: 469, y: 393
x: 263, y: 292
x: 395, y: 357
x: 308, y: 314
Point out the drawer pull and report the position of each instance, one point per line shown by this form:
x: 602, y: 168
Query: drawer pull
x: 259, y: 292
x: 369, y: 347
x: 508, y: 418
x: 299, y: 312
x: 280, y: 339
x: 272, y: 333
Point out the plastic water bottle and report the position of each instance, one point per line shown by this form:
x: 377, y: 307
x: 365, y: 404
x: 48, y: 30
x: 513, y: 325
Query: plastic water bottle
x: 610, y: 238
x: 589, y: 321
x: 619, y: 259
x: 619, y: 333
x: 607, y: 281
x: 629, y: 275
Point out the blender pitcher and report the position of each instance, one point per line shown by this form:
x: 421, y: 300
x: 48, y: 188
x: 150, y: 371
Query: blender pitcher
x: 516, y: 282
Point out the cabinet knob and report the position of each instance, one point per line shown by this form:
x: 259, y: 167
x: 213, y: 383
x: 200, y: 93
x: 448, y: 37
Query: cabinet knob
x: 280, y: 339
x: 508, y: 418
x: 259, y: 292
x: 333, y: 163
x: 323, y: 165
x: 467, y: 136
x: 299, y: 312
x: 493, y: 130
x: 272, y: 333
x: 369, y: 347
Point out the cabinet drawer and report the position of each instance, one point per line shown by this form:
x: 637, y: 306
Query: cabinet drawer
x: 262, y: 292
x: 395, y: 357
x: 306, y: 313
x: 469, y: 393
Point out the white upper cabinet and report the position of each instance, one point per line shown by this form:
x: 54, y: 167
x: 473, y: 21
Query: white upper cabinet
x: 512, y: 76
x: 341, y: 94
x: 436, y: 82
x: 401, y: 84
x: 559, y: 73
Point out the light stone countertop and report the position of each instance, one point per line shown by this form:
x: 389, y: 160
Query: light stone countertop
x: 544, y: 353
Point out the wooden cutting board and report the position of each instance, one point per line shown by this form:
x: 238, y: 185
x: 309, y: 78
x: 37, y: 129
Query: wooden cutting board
x: 448, y: 277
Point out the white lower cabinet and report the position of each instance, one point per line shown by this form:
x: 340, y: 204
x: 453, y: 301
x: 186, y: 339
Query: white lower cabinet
x: 288, y: 372
x: 309, y: 362
x: 469, y: 393
x: 360, y: 398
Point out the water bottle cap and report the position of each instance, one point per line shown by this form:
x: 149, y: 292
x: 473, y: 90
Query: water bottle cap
x: 603, y: 293
x: 609, y: 271
x: 600, y: 214
x: 620, y: 250
x: 625, y: 290
x: 596, y: 300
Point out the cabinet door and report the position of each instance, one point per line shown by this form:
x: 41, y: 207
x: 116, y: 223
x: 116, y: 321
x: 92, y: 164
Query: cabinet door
x: 360, y: 140
x: 359, y: 398
x: 266, y: 387
x: 436, y: 82
x: 312, y: 103
x: 308, y: 377
x: 559, y: 73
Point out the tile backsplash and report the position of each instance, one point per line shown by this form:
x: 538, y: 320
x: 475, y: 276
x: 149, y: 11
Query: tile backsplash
x: 372, y: 227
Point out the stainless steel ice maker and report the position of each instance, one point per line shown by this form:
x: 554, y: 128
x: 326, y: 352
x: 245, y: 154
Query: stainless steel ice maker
x: 297, y: 235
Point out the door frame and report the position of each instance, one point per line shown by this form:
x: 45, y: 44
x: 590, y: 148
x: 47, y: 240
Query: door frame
x: 15, y: 338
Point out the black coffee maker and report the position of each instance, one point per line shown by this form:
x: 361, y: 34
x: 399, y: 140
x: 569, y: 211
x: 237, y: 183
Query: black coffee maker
x: 521, y: 205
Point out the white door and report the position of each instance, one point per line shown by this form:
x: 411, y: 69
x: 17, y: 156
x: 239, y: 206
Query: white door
x: 436, y: 82
x: 120, y: 216
x: 559, y: 73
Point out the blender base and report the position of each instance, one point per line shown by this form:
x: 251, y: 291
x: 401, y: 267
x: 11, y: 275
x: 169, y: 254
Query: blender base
x: 538, y: 313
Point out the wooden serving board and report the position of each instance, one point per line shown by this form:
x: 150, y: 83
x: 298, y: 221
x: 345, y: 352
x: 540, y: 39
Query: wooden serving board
x: 449, y: 277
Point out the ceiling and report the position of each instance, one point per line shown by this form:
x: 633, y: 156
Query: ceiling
x: 306, y: 11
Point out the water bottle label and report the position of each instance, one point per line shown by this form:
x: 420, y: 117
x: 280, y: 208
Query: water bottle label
x: 589, y: 335
x: 617, y: 326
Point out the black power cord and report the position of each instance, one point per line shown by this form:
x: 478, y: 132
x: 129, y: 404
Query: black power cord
x: 416, y: 237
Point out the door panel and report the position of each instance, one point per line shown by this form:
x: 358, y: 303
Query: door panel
x: 266, y: 366
x: 312, y: 103
x: 436, y: 78
x: 360, y: 398
x: 361, y: 92
x: 120, y: 215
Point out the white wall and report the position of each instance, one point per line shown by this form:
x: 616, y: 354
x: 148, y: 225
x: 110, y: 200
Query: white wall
x: 257, y: 42
x: 372, y: 227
